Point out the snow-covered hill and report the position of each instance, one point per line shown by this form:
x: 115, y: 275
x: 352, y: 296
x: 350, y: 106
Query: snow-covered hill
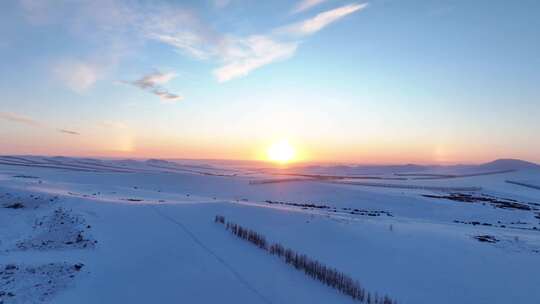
x: 142, y: 231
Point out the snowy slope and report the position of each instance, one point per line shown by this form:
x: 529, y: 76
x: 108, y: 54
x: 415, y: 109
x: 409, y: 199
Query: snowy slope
x: 150, y: 235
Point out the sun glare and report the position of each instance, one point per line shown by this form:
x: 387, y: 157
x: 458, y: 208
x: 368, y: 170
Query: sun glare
x: 281, y: 152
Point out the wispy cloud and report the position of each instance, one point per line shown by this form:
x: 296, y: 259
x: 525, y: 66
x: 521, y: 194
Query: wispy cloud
x: 246, y: 55
x: 129, y: 24
x: 189, y: 43
x: 77, y: 75
x: 29, y: 121
x: 305, y: 5
x: 239, y: 56
x: 70, y: 132
x: 322, y: 20
x: 12, y: 117
x: 167, y: 97
x: 154, y: 82
x: 181, y: 29
x: 243, y: 55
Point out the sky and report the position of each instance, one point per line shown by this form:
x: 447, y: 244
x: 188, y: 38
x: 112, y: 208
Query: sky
x: 381, y: 81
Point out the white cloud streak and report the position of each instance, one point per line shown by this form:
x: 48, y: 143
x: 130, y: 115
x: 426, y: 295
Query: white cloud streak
x: 77, y: 75
x: 69, y: 132
x: 29, y: 121
x: 187, y: 42
x: 154, y: 82
x: 181, y: 29
x: 166, y: 96
x: 12, y: 117
x: 129, y: 23
x: 246, y: 55
x: 305, y: 5
x: 320, y: 21
x: 154, y: 79
x: 240, y: 56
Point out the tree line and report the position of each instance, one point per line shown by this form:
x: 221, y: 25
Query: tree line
x: 311, y: 267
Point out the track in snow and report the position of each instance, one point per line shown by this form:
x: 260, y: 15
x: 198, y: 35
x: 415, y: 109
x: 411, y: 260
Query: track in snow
x: 198, y: 241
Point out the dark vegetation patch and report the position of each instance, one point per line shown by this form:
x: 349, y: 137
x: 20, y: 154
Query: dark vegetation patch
x: 25, y: 200
x: 60, y: 230
x: 495, y: 202
x: 486, y: 238
x: 311, y: 206
x: 317, y: 270
x: 26, y: 176
x: 305, y: 205
x: 35, y: 284
x: 332, y: 177
x: 79, y: 194
x: 419, y: 176
x: 499, y: 225
x: 474, y: 223
x: 133, y: 199
x: 16, y: 205
x: 503, y: 203
x: 524, y: 184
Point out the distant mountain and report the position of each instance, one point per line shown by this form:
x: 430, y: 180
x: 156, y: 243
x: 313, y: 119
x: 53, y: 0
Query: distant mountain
x: 497, y: 165
x: 509, y: 164
x: 159, y: 162
x: 358, y: 169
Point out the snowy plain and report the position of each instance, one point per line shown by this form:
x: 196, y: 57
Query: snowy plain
x: 143, y: 231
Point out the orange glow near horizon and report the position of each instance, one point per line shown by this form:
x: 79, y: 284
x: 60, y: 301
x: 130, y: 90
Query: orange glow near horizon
x: 281, y: 152
x: 276, y: 150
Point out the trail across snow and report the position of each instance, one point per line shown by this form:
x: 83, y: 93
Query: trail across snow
x: 212, y: 253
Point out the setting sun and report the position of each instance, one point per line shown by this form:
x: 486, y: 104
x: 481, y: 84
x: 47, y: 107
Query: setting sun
x: 281, y: 152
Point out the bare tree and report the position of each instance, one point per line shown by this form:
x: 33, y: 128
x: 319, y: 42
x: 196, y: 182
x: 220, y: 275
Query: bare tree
x: 313, y: 268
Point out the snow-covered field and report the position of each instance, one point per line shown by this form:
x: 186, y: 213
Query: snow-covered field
x: 126, y: 231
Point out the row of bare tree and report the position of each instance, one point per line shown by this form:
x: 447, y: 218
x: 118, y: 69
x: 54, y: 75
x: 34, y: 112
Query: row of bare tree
x: 313, y: 268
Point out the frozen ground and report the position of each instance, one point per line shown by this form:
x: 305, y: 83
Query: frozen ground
x: 126, y: 231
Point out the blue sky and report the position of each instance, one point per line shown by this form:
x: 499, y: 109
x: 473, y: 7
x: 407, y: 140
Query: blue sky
x: 378, y: 81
